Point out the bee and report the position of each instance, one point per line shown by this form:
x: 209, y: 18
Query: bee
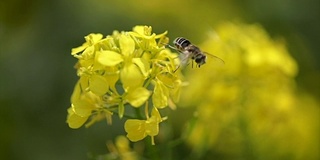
x: 190, y: 51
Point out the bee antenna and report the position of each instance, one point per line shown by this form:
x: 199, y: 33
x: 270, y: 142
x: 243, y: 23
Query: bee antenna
x: 168, y: 45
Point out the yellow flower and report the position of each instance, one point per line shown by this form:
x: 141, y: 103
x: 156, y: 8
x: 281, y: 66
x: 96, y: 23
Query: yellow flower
x: 75, y: 121
x: 122, y: 70
x: 134, y: 69
x: 82, y: 107
x: 145, y: 38
x: 139, y: 129
x: 131, y: 76
x: 88, y: 47
x: 160, y: 95
x: 138, y: 96
x: 167, y: 88
x: 252, y: 97
x: 121, y: 149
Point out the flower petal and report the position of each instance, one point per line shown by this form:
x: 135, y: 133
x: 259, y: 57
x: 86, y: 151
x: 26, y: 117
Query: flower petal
x: 167, y: 79
x: 93, y: 38
x: 142, y: 31
x: 160, y: 95
x: 85, y: 104
x: 98, y: 85
x: 131, y: 76
x: 112, y: 76
x: 82, y: 109
x: 143, y: 65
x: 176, y: 91
x: 127, y: 45
x: 155, y: 114
x: 152, y: 125
x: 152, y: 128
x: 109, y: 58
x: 76, y: 50
x: 138, y: 97
x: 76, y: 92
x: 87, y: 54
x: 135, y: 129
x: 75, y: 121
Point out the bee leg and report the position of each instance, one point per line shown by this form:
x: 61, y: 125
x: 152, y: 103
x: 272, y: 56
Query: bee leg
x: 176, y: 69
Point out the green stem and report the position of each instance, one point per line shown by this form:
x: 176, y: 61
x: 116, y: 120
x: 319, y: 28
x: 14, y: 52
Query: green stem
x: 147, y: 82
x: 125, y: 116
x: 138, y: 113
x: 152, y: 150
x: 175, y: 143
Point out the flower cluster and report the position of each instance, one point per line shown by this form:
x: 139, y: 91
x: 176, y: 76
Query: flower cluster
x: 122, y: 71
x: 249, y: 105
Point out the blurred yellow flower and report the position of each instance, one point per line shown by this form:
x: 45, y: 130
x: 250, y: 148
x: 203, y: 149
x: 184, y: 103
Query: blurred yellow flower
x: 121, y: 149
x: 249, y: 105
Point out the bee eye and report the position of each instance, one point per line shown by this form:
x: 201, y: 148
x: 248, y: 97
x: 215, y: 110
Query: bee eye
x: 198, y: 60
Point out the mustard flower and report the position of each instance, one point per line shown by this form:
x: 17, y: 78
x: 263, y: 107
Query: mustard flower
x: 123, y: 70
x: 249, y: 101
x: 139, y: 129
x: 85, y: 105
x: 121, y: 149
x: 88, y: 47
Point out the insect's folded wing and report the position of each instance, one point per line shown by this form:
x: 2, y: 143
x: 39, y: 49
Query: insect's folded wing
x: 184, y: 59
x: 215, y: 58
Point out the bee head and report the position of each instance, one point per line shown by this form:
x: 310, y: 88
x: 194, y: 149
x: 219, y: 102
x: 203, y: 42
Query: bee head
x: 200, y: 60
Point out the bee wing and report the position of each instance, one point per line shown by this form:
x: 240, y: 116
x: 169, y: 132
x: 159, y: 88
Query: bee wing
x: 216, y: 58
x: 184, y: 58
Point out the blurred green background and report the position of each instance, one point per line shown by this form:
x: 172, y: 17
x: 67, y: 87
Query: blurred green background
x: 37, y: 71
